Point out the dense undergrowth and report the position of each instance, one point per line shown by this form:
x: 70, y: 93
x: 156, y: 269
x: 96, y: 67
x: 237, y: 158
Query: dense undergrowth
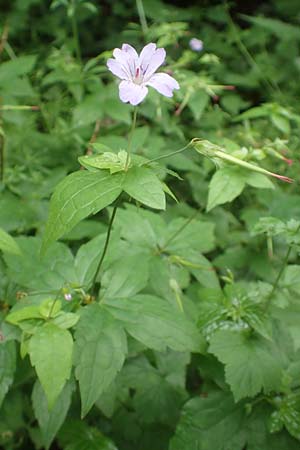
x: 167, y: 317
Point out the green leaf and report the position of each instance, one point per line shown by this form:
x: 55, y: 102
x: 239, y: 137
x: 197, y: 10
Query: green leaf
x: 50, y: 421
x: 118, y: 281
x: 8, y: 244
x: 50, y: 351
x: 211, y: 422
x: 181, y: 236
x: 291, y: 278
x: 100, y: 350
x: 259, y: 180
x: 144, y: 186
x: 16, y: 67
x: 7, y: 367
x: 108, y: 160
x: 282, y: 123
x: 77, y: 435
x: 157, y: 324
x: 80, y: 194
x: 283, y: 30
x: 251, y: 362
x: 225, y: 185
x: 155, y: 398
x: 50, y: 272
x: 29, y: 312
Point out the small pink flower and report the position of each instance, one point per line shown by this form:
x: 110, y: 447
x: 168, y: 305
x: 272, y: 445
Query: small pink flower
x: 196, y: 44
x: 68, y: 296
x: 138, y: 71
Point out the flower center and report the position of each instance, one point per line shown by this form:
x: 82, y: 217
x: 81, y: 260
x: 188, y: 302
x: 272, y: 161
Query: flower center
x: 138, y: 78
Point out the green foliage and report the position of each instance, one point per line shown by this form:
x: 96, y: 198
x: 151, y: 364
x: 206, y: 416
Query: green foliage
x: 168, y: 318
x: 100, y: 350
x: 54, y: 370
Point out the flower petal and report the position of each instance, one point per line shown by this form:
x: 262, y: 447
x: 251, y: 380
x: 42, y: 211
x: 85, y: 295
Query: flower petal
x: 131, y: 92
x: 128, y: 57
x: 163, y: 83
x: 151, y: 58
x: 118, y: 69
x: 130, y: 50
x: 146, y: 55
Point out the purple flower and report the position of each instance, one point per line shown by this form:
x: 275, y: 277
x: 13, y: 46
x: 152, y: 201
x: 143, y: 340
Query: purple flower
x: 138, y: 71
x: 68, y: 296
x: 196, y: 44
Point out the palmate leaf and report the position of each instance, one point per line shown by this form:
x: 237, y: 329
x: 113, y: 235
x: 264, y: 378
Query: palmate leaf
x: 100, y: 350
x: 77, y: 435
x: 80, y: 194
x: 212, y: 422
x: 251, y: 362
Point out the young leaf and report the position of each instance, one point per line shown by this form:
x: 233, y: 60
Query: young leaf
x: 80, y: 194
x: 100, y: 350
x: 7, y: 367
x: 50, y: 421
x: 251, y: 363
x: 144, y: 186
x: 157, y: 324
x: 8, y: 244
x: 50, y: 351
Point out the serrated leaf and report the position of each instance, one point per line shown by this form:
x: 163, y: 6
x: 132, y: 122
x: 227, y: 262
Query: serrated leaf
x: 50, y: 421
x: 80, y: 194
x: 251, y: 362
x: 225, y: 185
x: 100, y: 350
x: 212, y: 422
x: 50, y: 350
x: 157, y: 324
x: 144, y: 186
x: 8, y: 244
x: 7, y: 367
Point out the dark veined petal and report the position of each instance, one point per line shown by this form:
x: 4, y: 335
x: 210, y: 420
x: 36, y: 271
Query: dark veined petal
x: 131, y: 92
x: 163, y: 83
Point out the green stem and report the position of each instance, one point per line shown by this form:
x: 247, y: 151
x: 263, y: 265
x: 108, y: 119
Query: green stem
x: 75, y: 33
x: 167, y: 155
x: 130, y: 138
x: 93, y: 289
x: 142, y: 16
x: 53, y: 304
